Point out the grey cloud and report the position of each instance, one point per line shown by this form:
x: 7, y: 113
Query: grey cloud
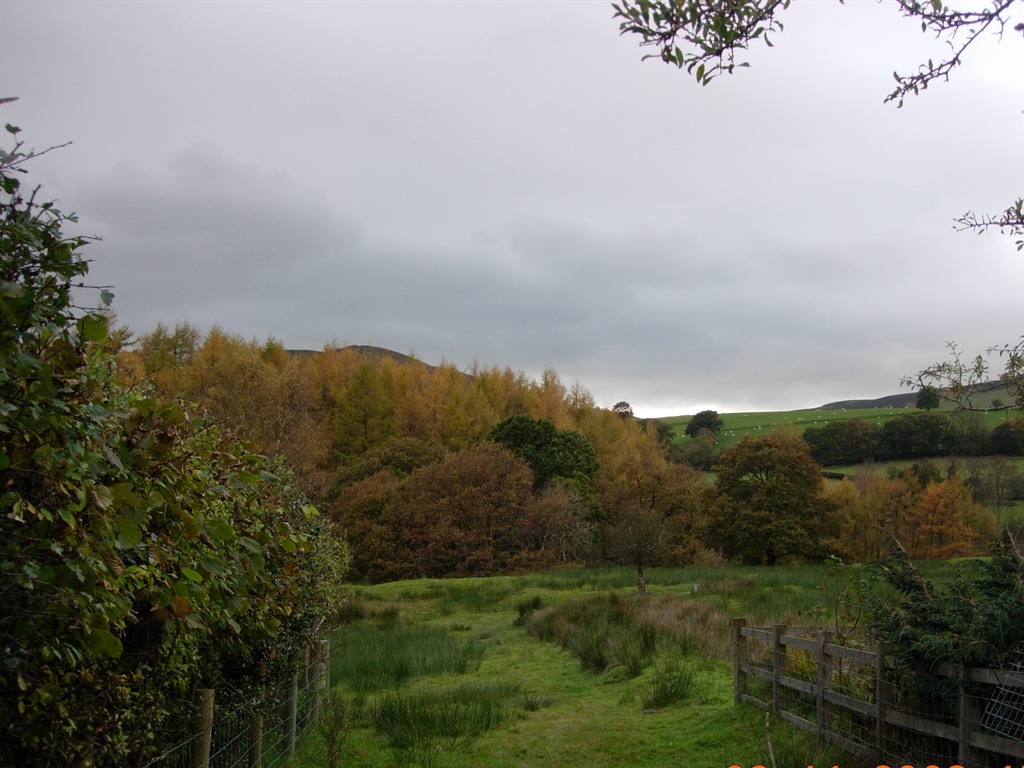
x: 508, y: 183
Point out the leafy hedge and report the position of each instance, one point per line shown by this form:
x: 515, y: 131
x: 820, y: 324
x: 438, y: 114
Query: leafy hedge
x: 143, y: 551
x: 977, y: 619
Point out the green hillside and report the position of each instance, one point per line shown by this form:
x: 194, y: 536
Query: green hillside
x: 761, y: 422
x: 988, y: 403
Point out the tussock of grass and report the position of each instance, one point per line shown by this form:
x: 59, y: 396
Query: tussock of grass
x: 671, y: 683
x: 447, y: 717
x: 370, y: 658
x: 608, y: 631
x: 474, y: 594
x: 527, y: 608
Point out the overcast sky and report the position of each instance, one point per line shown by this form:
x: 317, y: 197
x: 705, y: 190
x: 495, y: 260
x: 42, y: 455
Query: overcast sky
x: 508, y: 183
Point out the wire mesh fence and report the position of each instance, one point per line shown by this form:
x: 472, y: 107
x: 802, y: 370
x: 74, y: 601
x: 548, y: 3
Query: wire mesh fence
x: 1004, y: 712
x: 847, y: 692
x: 257, y: 730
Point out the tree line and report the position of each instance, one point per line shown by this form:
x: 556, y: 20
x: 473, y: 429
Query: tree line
x: 433, y: 471
x: 917, y: 435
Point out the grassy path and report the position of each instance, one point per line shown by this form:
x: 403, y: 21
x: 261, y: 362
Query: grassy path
x: 579, y: 718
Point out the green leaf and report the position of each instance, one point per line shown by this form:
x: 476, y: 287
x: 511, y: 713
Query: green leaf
x: 106, y: 297
x: 124, y: 496
x: 68, y: 517
x: 214, y: 566
x: 104, y: 644
x: 129, y: 531
x: 220, y: 530
x: 93, y: 328
x: 193, y: 576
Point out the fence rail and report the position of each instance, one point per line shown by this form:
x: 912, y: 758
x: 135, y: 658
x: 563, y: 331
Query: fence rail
x: 851, y: 695
x: 262, y: 731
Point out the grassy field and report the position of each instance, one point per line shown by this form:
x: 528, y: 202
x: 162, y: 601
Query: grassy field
x: 500, y: 672
x: 758, y: 423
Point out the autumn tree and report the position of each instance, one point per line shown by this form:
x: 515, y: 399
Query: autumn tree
x: 570, y: 524
x: 652, y: 505
x: 363, y: 412
x: 467, y: 515
x: 769, y: 504
x: 855, y: 529
x: 551, y: 399
x: 364, y: 514
x: 164, y: 355
x: 664, y: 433
x: 947, y: 522
x: 623, y: 409
x: 257, y: 390
x: 886, y: 513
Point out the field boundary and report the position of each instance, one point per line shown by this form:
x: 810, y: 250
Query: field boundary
x: 848, y: 692
x: 260, y: 733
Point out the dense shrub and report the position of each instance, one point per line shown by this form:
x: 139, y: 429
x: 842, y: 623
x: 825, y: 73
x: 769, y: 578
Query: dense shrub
x: 142, y: 550
x: 977, y: 619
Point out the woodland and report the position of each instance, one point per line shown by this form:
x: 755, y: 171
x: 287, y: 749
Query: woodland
x: 432, y: 471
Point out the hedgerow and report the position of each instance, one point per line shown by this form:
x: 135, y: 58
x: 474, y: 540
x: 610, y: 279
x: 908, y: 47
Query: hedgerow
x: 143, y: 550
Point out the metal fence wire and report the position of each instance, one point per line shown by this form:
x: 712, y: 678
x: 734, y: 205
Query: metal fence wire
x: 1004, y: 713
x: 844, y: 690
x: 261, y: 731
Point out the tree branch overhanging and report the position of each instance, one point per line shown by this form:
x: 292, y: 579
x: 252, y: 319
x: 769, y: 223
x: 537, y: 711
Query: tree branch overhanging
x: 705, y: 37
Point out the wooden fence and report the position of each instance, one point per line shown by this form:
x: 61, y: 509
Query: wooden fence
x: 260, y: 733
x: 851, y: 695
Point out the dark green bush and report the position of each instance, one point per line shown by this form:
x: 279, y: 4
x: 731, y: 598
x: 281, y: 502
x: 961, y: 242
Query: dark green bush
x: 142, y: 550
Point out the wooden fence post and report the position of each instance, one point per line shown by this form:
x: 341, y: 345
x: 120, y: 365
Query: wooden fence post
x: 256, y: 745
x: 304, y: 666
x: 321, y: 678
x: 291, y: 716
x: 739, y: 656
x: 883, y: 698
x: 778, y: 666
x: 203, y: 727
x: 824, y: 683
x: 970, y: 717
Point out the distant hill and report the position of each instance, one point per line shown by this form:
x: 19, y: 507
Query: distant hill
x: 904, y: 400
x: 983, y: 397
x: 366, y: 350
